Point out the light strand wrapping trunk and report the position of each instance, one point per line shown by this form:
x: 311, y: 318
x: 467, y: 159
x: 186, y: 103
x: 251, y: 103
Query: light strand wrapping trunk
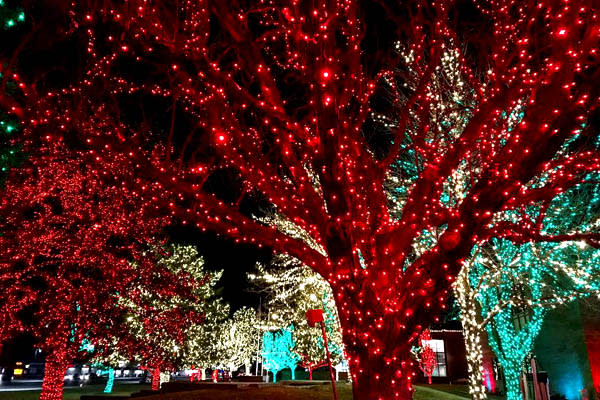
x: 54, y: 375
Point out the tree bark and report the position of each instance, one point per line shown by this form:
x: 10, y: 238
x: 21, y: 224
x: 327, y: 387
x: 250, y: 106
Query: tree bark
x: 380, y: 383
x: 471, y: 321
x: 472, y: 334
x: 377, y: 345
x: 474, y: 363
x: 293, y: 373
x: 512, y: 380
x: 54, y: 375
x: 310, y: 370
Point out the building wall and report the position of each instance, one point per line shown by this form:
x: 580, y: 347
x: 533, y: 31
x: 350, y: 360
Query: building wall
x: 456, y: 360
x: 561, y: 351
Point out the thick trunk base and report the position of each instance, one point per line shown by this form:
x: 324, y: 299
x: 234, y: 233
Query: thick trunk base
x: 54, y: 376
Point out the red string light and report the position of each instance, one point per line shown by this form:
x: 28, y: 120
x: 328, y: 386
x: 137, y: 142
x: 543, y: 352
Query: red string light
x: 298, y: 138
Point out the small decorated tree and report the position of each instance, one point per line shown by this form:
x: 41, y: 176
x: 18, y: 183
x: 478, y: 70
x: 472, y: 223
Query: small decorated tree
x: 426, y: 355
x: 239, y: 339
x: 277, y: 352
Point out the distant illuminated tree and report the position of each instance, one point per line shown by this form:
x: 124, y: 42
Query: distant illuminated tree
x: 425, y: 355
x: 239, y: 339
x: 202, y: 346
x: 70, y: 227
x: 158, y: 328
x: 277, y: 352
x: 290, y: 289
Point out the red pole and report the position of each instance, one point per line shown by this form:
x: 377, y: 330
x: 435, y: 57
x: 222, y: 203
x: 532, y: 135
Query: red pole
x: 329, y: 361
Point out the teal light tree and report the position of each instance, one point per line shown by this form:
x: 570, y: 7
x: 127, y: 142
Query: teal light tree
x: 514, y: 284
x: 277, y: 352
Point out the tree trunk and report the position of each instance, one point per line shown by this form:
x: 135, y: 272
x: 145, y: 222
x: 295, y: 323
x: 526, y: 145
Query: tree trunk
x: 310, y: 370
x: 474, y: 352
x: 203, y: 373
x: 274, y: 376
x: 110, y: 382
x: 293, y: 369
x: 247, y: 368
x: 156, y: 379
x: 512, y: 380
x: 470, y: 319
x: 379, y: 382
x: 54, y: 375
x: 377, y: 345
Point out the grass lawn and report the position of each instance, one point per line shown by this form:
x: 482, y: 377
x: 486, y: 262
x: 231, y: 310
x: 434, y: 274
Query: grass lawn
x: 461, y: 391
x: 74, y: 392
x: 270, y: 392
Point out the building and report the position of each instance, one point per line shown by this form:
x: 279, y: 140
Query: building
x: 449, y: 346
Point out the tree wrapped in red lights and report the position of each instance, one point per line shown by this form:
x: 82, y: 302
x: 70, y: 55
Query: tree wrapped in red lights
x: 425, y: 355
x: 159, y: 320
x: 73, y: 244
x: 289, y: 103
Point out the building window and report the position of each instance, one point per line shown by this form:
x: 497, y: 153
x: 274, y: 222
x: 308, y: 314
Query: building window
x: 440, y: 355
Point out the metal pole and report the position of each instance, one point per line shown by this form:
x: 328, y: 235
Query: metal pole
x: 329, y: 361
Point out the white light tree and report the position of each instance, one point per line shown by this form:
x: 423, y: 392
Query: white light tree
x: 290, y: 289
x: 202, y: 347
x: 239, y: 339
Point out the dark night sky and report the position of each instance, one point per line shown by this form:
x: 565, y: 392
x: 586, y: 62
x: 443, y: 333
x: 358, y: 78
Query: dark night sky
x: 223, y: 254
